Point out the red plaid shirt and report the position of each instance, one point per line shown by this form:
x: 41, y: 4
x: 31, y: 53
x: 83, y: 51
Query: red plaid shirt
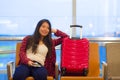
x: 49, y: 62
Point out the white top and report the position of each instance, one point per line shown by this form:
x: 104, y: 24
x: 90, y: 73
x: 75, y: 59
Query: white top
x: 40, y: 55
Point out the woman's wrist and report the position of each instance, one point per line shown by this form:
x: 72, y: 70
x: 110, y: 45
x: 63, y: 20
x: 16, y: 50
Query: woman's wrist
x: 54, y: 30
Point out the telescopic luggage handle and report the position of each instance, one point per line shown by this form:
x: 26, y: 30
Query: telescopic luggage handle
x: 71, y: 26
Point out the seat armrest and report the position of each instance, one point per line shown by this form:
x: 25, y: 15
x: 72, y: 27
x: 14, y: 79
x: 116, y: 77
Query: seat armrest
x: 56, y: 71
x: 115, y: 78
x: 104, y: 70
x: 10, y: 69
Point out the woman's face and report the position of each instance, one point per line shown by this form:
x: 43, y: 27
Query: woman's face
x: 44, y: 29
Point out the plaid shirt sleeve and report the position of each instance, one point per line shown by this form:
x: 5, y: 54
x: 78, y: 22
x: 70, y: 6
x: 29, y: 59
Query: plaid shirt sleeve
x: 22, y: 54
x: 61, y: 36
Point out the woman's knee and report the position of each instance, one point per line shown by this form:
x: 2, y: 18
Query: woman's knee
x: 21, y: 72
x: 40, y: 73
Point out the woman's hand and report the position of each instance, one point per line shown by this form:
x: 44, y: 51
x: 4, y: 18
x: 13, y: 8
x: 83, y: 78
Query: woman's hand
x: 54, y: 30
x: 30, y: 63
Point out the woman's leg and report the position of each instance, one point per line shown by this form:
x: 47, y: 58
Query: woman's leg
x: 39, y: 73
x: 21, y: 72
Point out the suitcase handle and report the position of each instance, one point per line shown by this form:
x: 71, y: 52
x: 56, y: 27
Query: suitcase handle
x: 75, y: 26
x: 71, y: 26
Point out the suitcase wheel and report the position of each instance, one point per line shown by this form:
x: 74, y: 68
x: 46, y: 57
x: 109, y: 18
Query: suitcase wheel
x: 85, y: 71
x: 63, y: 71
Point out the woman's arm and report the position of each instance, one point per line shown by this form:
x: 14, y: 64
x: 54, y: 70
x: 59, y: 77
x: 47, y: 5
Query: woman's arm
x: 59, y: 34
x: 22, y: 54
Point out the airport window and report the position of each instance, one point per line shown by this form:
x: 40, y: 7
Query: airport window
x: 20, y: 17
x: 100, y: 18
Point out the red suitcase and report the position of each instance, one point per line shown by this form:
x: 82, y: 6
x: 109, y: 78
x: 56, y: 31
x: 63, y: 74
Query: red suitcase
x: 75, y: 55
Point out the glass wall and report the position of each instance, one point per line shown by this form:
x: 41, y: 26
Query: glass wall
x: 100, y: 18
x: 20, y: 17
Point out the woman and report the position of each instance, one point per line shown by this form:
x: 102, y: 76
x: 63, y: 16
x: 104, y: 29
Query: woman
x: 37, y: 53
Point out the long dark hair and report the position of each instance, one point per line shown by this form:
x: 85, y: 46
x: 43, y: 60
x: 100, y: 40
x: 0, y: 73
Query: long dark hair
x: 33, y: 41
